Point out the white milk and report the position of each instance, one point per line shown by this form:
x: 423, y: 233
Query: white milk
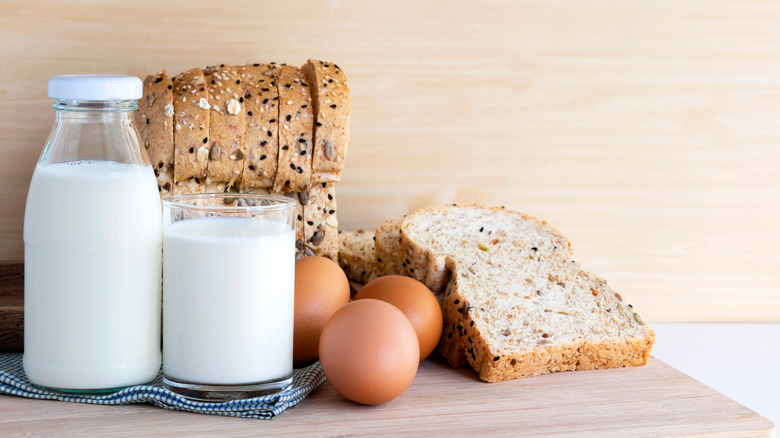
x: 228, y: 301
x: 92, y: 255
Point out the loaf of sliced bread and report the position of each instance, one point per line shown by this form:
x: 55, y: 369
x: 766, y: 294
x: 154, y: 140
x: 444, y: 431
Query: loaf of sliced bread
x: 226, y: 129
x: 514, y: 302
x: 191, y: 131
x: 154, y: 120
x: 357, y: 256
x: 261, y: 104
x: 296, y: 125
x: 331, y: 100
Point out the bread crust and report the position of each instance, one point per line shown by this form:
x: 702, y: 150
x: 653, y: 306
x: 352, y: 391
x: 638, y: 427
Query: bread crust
x: 191, y: 131
x: 154, y: 120
x: 331, y: 100
x: 296, y: 123
x: 261, y: 138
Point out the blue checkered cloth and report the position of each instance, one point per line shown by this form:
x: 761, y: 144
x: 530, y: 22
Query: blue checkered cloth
x: 13, y: 381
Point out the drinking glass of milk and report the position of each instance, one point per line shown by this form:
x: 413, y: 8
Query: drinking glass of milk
x: 228, y: 280
x: 92, y: 244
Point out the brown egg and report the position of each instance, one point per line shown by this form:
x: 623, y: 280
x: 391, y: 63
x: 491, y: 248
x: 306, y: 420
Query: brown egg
x: 369, y: 352
x: 321, y: 288
x: 416, y: 301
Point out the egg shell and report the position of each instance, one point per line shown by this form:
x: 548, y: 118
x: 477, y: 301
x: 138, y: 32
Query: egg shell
x: 416, y: 301
x: 321, y: 288
x: 369, y: 351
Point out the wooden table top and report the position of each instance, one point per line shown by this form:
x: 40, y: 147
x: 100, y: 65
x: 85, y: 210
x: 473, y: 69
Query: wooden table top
x: 651, y: 401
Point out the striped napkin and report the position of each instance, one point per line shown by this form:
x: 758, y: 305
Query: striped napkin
x: 13, y: 381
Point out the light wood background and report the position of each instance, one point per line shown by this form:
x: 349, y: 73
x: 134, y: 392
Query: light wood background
x: 648, y: 132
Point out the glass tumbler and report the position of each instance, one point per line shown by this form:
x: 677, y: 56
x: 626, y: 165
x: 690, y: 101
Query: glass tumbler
x: 228, y: 292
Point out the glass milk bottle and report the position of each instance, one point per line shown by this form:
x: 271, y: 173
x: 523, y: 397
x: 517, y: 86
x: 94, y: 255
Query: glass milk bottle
x: 92, y: 244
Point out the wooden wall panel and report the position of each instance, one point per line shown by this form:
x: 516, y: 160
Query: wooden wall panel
x: 648, y: 132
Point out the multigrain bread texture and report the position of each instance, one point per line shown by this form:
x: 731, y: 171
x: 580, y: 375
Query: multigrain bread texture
x: 154, y: 120
x: 425, y: 248
x: 390, y: 259
x: 357, y: 256
x: 296, y: 123
x: 514, y: 302
x: 261, y: 138
x: 331, y: 102
x: 320, y: 226
x: 298, y: 223
x: 226, y: 129
x: 191, y: 131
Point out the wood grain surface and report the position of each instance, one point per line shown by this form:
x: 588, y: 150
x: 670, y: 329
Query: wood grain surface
x: 648, y: 132
x: 11, y: 306
x: 651, y: 401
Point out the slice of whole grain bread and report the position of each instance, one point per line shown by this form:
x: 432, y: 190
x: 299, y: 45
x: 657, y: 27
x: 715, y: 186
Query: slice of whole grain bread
x: 514, y: 302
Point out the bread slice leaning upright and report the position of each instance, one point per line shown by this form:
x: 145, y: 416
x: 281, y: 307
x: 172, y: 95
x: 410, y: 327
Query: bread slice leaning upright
x: 261, y: 138
x: 515, y: 304
x: 226, y: 128
x: 331, y: 100
x: 191, y: 132
x: 154, y: 120
x: 296, y: 122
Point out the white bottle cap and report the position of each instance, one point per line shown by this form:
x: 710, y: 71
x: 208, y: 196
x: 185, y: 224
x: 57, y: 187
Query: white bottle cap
x: 95, y: 87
